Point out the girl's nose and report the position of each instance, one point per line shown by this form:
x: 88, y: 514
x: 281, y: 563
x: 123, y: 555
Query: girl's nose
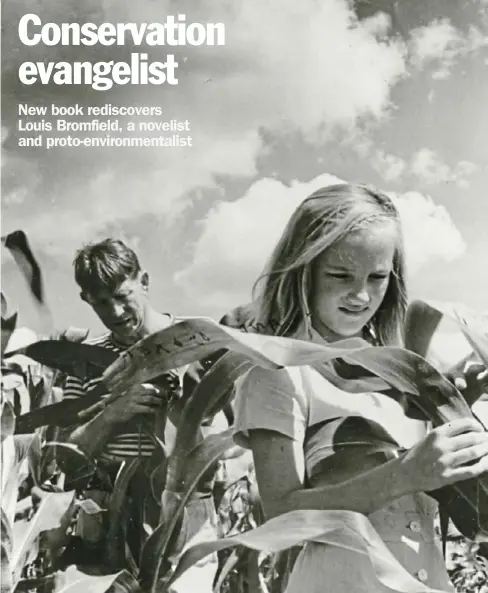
x: 359, y: 295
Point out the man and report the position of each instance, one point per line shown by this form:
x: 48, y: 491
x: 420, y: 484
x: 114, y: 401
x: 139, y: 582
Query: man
x: 113, y: 283
x: 116, y: 287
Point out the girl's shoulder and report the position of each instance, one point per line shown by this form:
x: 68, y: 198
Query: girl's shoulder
x: 273, y: 400
x: 288, y: 381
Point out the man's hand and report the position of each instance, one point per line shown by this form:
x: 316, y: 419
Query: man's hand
x: 140, y: 399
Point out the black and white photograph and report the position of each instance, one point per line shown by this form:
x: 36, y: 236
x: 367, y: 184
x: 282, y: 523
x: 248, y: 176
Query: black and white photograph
x: 244, y: 294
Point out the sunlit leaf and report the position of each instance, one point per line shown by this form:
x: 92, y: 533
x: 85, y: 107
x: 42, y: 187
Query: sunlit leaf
x: 15, y: 450
x: 342, y: 529
x: 49, y: 515
x: 117, y: 500
x: 90, y: 507
x: 35, y: 459
x: 192, y: 340
x: 474, y: 325
x: 121, y: 582
x: 6, y: 543
x: 403, y: 372
x: 71, y: 458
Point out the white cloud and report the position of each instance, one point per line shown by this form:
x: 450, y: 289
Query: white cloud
x: 440, y: 44
x: 286, y: 67
x: 389, y: 166
x: 238, y: 237
x: 429, y: 167
x: 439, y: 40
x: 430, y: 233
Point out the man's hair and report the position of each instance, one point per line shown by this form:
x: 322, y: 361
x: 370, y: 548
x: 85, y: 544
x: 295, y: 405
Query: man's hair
x: 105, y: 265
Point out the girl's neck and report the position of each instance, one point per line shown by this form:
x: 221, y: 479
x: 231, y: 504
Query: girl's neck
x: 325, y: 333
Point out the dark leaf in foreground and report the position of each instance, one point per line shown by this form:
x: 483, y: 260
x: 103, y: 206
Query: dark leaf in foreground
x: 80, y: 360
x: 63, y: 413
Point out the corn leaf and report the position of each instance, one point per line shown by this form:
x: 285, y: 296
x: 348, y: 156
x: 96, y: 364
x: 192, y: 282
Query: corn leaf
x: 77, y: 465
x: 173, y: 347
x: 423, y: 319
x: 343, y: 529
x: 18, y: 245
x: 420, y: 325
x: 34, y: 459
x: 89, y: 506
x: 212, y: 393
x: 412, y: 375
x: 192, y: 340
x: 229, y: 565
x: 6, y: 543
x: 156, y: 553
x: 117, y: 500
x: 473, y: 325
x: 63, y: 413
x: 78, y: 359
x: 7, y: 420
x: 121, y: 582
x: 8, y: 328
x: 157, y: 549
x: 403, y: 372
x: 14, y: 451
x: 51, y: 511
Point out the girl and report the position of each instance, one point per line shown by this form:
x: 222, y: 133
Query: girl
x: 337, y: 272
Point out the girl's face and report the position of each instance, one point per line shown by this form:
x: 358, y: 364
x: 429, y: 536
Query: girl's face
x: 350, y: 279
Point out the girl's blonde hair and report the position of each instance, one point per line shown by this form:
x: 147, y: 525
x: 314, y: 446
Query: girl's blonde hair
x: 282, y: 292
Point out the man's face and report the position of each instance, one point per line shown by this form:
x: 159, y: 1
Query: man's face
x: 123, y: 310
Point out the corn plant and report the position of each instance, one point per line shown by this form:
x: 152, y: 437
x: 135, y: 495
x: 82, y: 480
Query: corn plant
x: 352, y: 364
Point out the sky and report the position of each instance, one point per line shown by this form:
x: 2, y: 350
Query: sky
x: 386, y: 93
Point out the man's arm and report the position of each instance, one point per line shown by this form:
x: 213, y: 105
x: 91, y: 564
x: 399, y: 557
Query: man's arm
x: 92, y: 436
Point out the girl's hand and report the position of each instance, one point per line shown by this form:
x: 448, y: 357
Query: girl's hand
x: 450, y: 453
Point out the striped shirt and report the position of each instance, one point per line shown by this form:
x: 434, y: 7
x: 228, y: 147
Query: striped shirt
x: 129, y: 439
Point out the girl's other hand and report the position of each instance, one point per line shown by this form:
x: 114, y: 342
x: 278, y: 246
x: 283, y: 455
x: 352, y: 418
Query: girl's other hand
x: 451, y: 453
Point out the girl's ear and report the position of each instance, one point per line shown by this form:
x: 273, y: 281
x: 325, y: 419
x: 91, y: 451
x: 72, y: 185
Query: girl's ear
x: 145, y: 280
